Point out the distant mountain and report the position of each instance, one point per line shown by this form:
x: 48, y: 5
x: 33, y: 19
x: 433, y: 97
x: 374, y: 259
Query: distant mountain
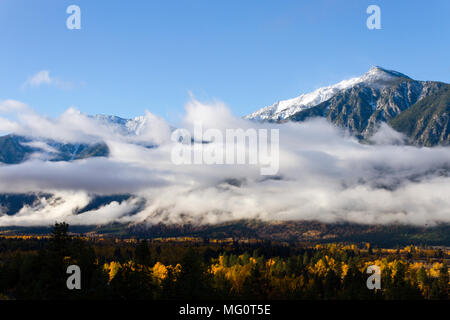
x: 12, y: 150
x: 16, y: 149
x: 361, y: 104
x: 124, y: 126
x: 12, y: 203
x: 376, y: 78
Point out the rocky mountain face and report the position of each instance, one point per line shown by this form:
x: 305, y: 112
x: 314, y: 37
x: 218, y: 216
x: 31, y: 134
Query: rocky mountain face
x: 427, y: 122
x: 360, y: 109
x: 361, y: 104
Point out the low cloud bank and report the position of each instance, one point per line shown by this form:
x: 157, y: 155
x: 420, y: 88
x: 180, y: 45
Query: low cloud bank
x: 324, y: 174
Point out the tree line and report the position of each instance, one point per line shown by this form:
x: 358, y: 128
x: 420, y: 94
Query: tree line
x: 36, y: 269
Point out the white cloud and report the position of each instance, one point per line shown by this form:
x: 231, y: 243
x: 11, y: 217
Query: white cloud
x: 324, y: 175
x: 9, y: 106
x: 387, y: 135
x: 43, y: 78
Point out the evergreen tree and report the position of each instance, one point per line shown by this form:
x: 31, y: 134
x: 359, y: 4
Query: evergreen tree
x: 142, y: 253
x: 443, y: 282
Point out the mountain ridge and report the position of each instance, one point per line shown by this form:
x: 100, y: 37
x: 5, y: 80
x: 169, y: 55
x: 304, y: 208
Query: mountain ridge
x: 281, y: 110
x: 16, y: 149
x: 358, y: 105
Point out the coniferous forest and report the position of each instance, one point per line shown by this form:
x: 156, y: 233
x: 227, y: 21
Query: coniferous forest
x: 34, y: 267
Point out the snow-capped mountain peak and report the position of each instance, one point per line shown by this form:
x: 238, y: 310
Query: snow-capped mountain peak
x: 376, y: 77
x: 379, y: 76
x: 126, y: 126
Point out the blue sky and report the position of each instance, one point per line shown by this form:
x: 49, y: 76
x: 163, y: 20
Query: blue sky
x: 135, y: 55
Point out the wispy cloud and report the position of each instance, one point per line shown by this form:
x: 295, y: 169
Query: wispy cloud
x: 8, y: 106
x: 43, y: 77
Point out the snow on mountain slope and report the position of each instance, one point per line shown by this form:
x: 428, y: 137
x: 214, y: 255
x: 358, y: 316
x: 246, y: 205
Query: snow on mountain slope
x: 125, y: 126
x: 376, y: 77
